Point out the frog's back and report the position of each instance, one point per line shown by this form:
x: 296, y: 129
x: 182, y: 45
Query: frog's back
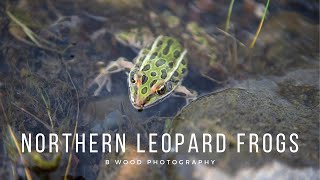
x: 164, y: 59
x: 158, y: 70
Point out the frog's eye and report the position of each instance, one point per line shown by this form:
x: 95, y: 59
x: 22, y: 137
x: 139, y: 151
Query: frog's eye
x: 161, y: 90
x: 132, y: 80
x: 132, y: 76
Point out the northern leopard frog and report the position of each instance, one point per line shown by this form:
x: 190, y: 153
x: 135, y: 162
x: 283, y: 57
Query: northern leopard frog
x: 156, y: 72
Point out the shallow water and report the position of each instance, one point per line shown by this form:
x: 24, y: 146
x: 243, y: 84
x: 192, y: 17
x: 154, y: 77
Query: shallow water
x: 49, y: 58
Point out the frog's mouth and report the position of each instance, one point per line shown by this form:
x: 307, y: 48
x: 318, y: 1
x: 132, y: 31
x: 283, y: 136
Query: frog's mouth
x: 139, y: 107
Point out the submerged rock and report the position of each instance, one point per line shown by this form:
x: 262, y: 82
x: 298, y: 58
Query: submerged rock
x: 274, y: 105
x: 274, y: 170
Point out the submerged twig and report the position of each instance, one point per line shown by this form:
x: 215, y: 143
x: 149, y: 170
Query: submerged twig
x: 26, y: 170
x: 77, y: 93
x: 76, y: 125
x: 47, y: 104
x: 70, y: 156
x: 35, y: 39
x: 231, y: 36
x: 212, y: 79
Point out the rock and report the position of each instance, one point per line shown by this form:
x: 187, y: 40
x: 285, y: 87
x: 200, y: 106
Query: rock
x: 273, y: 170
x: 288, y: 104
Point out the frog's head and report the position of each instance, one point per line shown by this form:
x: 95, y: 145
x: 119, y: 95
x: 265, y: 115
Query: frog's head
x: 147, y: 90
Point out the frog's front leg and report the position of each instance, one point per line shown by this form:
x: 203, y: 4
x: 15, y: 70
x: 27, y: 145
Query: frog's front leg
x: 104, y: 79
x: 182, y: 91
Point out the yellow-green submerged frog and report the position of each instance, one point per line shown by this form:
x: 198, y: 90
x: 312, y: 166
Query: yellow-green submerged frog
x: 157, y: 71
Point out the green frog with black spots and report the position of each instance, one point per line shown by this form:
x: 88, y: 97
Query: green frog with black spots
x: 156, y: 72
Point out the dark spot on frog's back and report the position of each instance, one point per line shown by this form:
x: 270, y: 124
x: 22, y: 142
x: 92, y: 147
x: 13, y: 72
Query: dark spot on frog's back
x: 154, y: 55
x: 144, y: 90
x: 160, y: 62
x: 144, y: 79
x: 170, y: 65
x: 175, y: 74
x: 159, y: 43
x: 169, y: 86
x: 184, y: 70
x: 166, y: 49
x: 184, y: 62
x: 142, y: 58
x: 153, y: 73
x: 146, y: 67
x: 153, y: 83
x: 163, y: 73
x: 176, y: 54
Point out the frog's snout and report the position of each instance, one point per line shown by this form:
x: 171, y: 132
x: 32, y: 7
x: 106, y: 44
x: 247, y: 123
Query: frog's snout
x: 138, y: 107
x: 138, y: 104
